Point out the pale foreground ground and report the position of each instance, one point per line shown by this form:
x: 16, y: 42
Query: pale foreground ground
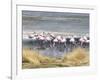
x: 32, y: 59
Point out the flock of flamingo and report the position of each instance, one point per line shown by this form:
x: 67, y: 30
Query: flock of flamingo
x: 49, y: 40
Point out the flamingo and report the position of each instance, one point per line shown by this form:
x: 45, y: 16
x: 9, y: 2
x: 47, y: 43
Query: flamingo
x: 72, y: 40
x: 47, y: 41
x: 83, y: 41
x: 55, y: 41
x: 63, y: 41
x: 72, y: 43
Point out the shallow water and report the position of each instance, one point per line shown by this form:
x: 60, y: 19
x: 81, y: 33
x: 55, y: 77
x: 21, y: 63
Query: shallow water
x: 48, y: 51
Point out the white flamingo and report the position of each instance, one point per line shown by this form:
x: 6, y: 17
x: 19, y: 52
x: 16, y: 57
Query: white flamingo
x: 63, y: 41
x: 48, y: 41
x: 83, y: 40
x: 72, y: 40
x: 59, y: 38
x: 55, y: 41
x: 72, y: 43
x: 87, y: 41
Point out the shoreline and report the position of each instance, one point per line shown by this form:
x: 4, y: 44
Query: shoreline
x: 55, y: 33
